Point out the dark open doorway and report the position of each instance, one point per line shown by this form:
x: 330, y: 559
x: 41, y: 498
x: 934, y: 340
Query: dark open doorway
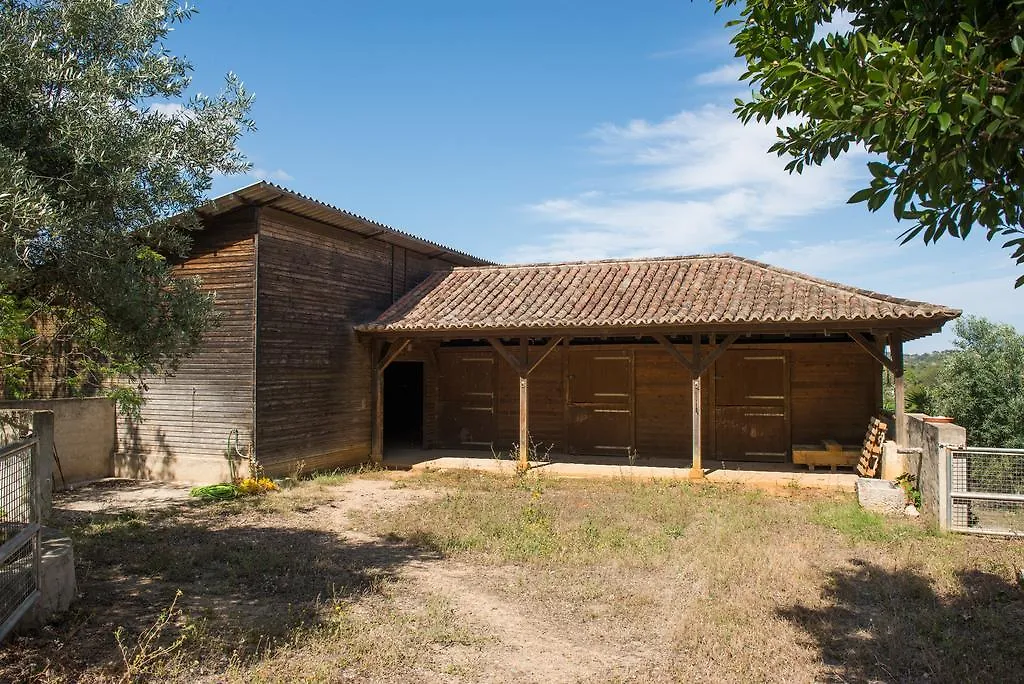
x: 403, y: 404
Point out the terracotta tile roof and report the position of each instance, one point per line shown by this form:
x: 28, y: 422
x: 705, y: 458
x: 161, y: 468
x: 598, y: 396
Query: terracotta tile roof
x: 682, y: 292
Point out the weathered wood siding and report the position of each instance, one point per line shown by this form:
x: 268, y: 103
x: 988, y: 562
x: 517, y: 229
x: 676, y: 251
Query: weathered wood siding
x: 547, y: 403
x: 187, y: 417
x: 836, y: 388
x: 313, y: 406
x: 830, y: 390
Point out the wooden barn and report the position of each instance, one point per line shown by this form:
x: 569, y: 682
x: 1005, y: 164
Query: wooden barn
x: 672, y: 358
x: 283, y: 370
x: 340, y: 337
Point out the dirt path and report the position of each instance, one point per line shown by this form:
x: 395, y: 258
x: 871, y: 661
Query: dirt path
x: 517, y: 643
x: 523, y: 645
x: 510, y: 636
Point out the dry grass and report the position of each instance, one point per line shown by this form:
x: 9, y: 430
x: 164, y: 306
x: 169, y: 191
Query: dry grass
x: 469, y: 577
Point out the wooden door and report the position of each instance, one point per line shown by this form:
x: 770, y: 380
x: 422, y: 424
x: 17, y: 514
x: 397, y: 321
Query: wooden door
x: 752, y: 406
x: 468, y: 416
x: 600, y: 398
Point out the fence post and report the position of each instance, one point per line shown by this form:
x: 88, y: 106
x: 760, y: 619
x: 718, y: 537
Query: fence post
x: 42, y: 464
x: 945, y: 482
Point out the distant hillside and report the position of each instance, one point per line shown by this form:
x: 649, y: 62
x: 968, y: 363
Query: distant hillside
x: 923, y: 369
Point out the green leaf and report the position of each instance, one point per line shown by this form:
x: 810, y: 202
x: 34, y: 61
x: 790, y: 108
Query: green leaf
x: 861, y: 196
x: 944, y: 120
x: 880, y: 170
x: 1017, y: 44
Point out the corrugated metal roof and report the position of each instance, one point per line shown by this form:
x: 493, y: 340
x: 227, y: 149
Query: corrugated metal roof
x: 264, y: 193
x: 682, y: 292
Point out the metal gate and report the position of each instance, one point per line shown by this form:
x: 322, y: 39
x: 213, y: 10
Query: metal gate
x: 19, y: 532
x: 986, y: 491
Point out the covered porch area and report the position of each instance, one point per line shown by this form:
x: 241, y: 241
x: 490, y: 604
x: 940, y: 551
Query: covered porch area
x: 696, y: 364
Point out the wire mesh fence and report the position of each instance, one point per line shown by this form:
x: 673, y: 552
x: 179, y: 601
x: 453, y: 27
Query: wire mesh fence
x: 19, y: 532
x: 986, y: 491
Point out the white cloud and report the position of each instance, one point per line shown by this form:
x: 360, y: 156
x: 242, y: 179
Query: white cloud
x: 829, y: 259
x: 727, y: 74
x: 276, y: 175
x: 697, y: 181
x: 173, y: 110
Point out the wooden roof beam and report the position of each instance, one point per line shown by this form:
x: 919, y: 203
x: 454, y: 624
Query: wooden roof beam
x: 512, y: 361
x: 717, y: 352
x: 874, y: 350
x: 393, y: 352
x: 676, y: 354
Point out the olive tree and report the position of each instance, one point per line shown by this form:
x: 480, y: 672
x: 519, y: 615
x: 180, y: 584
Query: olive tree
x: 104, y: 155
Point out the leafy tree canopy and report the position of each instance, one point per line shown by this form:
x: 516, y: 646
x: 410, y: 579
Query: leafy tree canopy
x: 102, y: 157
x: 933, y: 87
x: 981, y: 384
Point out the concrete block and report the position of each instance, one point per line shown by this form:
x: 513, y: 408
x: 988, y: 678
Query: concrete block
x: 881, y: 496
x: 894, y: 463
x: 57, y: 580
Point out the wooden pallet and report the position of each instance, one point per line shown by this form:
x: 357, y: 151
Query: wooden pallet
x: 871, y: 452
x: 829, y: 453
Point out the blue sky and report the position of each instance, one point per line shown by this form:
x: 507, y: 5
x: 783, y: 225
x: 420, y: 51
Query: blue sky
x: 540, y: 131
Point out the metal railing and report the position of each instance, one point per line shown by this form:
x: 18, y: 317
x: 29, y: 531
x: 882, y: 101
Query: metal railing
x: 19, y: 532
x: 986, y: 491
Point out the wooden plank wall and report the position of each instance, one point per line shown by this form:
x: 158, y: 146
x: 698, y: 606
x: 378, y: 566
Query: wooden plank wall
x: 313, y: 388
x: 187, y: 417
x: 547, y: 403
x: 834, y: 388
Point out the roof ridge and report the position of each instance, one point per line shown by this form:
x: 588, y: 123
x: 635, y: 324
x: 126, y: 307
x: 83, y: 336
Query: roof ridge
x: 588, y: 262
x: 352, y: 214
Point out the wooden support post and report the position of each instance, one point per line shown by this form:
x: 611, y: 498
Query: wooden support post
x: 378, y: 364
x: 697, y: 468
x: 524, y: 403
x: 377, y: 439
x: 521, y: 365
x: 524, y: 423
x: 896, y: 352
x: 697, y: 365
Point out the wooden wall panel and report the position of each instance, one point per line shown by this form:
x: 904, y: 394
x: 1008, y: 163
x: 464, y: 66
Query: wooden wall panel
x: 187, y: 417
x: 468, y: 401
x: 835, y: 391
x: 664, y: 423
x: 313, y: 377
x: 547, y: 404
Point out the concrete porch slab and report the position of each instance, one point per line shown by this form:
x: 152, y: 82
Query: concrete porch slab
x: 769, y: 476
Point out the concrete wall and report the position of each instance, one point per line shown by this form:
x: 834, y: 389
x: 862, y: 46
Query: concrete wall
x: 85, y: 436
x: 925, y: 459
